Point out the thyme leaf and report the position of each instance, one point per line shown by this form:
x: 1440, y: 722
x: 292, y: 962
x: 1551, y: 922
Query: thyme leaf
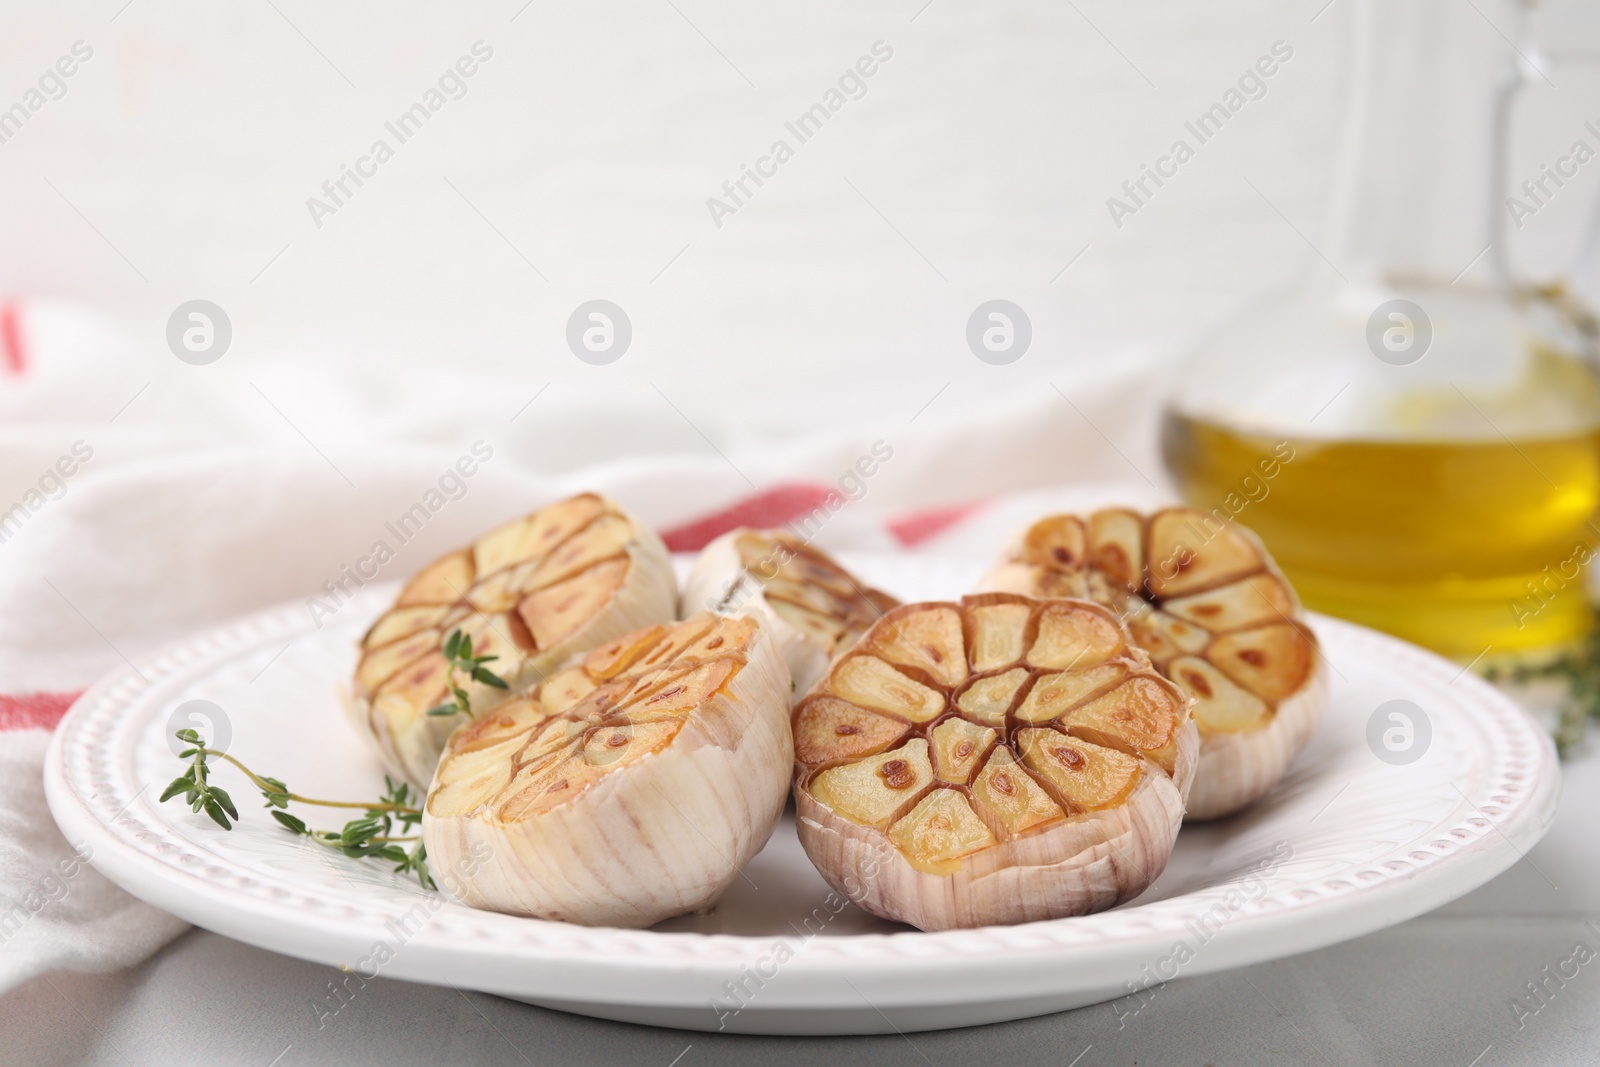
x: 458, y: 653
x: 379, y: 832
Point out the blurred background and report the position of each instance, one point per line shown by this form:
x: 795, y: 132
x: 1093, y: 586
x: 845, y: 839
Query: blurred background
x: 559, y: 153
x: 578, y: 164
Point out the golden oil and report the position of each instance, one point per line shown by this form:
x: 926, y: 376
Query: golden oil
x: 1463, y: 546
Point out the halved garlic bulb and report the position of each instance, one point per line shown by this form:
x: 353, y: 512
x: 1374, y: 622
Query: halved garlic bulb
x: 532, y: 592
x: 817, y: 608
x: 630, y: 787
x: 999, y: 760
x: 1208, y: 604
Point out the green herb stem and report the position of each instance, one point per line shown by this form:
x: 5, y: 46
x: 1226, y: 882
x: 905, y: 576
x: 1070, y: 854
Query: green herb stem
x: 267, y: 787
x: 370, y: 835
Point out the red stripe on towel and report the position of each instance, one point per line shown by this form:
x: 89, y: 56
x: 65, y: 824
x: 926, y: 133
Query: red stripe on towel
x: 35, y: 711
x: 16, y: 358
x: 773, y: 507
x: 918, y: 526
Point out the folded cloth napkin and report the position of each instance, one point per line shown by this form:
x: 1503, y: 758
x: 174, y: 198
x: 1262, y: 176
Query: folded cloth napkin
x: 56, y: 912
x: 160, y: 531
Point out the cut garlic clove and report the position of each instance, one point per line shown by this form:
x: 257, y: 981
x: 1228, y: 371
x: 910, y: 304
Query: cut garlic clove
x: 384, y: 661
x: 874, y: 790
x: 1059, y: 541
x: 872, y: 683
x: 998, y: 626
x: 1116, y: 546
x: 1088, y: 776
x: 816, y: 608
x: 939, y: 831
x: 1251, y: 601
x: 440, y: 582
x: 1053, y: 694
x: 620, y: 814
x: 958, y: 748
x: 404, y: 622
x: 556, y: 612
x: 1009, y: 798
x: 1190, y: 550
x: 1135, y: 717
x: 826, y: 731
x: 1164, y: 636
x: 681, y: 693
x: 1220, y: 705
x: 928, y: 640
x: 607, y: 537
x: 987, y: 699
x: 619, y: 654
x: 531, y: 537
x: 532, y: 592
x: 955, y: 808
x: 1273, y: 662
x: 1205, y: 601
x: 566, y: 687
x: 1074, y: 639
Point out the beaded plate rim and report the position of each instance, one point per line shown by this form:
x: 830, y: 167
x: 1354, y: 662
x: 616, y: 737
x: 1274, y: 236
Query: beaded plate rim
x: 92, y: 792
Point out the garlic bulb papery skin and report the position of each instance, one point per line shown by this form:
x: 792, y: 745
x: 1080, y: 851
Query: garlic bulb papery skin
x: 997, y: 760
x: 532, y: 592
x: 816, y: 608
x: 1206, y: 601
x: 632, y: 786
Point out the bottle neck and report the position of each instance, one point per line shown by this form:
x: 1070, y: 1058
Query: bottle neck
x: 1421, y: 169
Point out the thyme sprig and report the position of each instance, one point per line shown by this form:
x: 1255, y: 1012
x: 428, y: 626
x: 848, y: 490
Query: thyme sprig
x: 458, y: 653
x: 379, y: 833
x: 1580, y: 669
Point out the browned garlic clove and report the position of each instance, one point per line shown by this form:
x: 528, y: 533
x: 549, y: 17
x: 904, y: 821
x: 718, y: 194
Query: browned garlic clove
x: 640, y: 800
x: 817, y: 609
x: 994, y: 761
x: 1206, y: 601
x: 532, y: 592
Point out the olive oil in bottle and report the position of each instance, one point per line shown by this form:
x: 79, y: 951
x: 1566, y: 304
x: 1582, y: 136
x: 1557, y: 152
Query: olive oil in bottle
x: 1431, y: 423
x: 1459, y: 546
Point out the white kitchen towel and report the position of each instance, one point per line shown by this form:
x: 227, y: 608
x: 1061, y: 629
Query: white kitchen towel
x: 131, y: 534
x: 57, y: 912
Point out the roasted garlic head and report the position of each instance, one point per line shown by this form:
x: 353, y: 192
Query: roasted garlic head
x: 630, y: 787
x: 817, y: 609
x: 532, y: 592
x: 997, y: 760
x: 1206, y: 602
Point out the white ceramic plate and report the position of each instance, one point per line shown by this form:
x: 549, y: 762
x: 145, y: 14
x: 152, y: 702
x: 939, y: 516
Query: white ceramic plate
x: 1350, y: 844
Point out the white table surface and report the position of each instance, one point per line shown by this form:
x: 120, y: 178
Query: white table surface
x: 1435, y: 990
